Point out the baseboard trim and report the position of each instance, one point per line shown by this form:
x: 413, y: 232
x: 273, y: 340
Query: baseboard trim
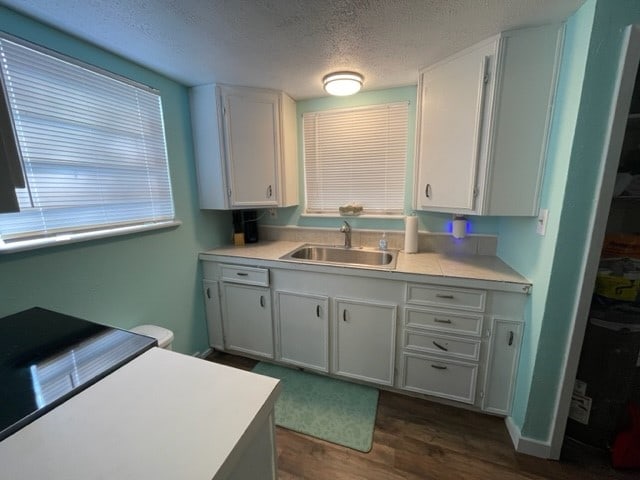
x: 204, y: 354
x: 525, y: 445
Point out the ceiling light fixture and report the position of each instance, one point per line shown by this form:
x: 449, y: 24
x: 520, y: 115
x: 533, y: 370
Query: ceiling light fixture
x: 342, y: 83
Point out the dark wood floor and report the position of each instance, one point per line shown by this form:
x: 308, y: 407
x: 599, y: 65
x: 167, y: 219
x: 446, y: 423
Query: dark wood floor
x: 415, y: 439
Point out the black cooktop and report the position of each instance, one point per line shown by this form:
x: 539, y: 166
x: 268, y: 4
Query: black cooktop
x: 47, y: 357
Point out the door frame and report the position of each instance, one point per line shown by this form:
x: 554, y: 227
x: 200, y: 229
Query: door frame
x: 616, y: 126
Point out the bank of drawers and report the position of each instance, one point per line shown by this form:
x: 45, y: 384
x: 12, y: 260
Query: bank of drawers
x: 441, y: 340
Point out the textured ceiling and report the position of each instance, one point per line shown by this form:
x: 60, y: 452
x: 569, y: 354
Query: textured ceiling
x: 289, y: 44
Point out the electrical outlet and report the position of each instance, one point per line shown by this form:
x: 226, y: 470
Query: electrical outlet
x: 273, y: 212
x: 541, y: 224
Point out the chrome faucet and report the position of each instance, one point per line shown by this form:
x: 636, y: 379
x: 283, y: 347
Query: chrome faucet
x: 346, y: 229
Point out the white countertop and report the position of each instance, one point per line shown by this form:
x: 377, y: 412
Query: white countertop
x: 164, y: 415
x: 470, y: 267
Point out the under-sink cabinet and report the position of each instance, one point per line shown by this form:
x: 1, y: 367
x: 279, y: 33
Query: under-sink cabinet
x: 302, y: 322
x: 364, y: 340
x: 457, y: 343
x: 359, y: 313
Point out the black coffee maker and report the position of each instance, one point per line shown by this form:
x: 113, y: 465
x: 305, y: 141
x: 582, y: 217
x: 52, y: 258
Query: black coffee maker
x: 246, y: 221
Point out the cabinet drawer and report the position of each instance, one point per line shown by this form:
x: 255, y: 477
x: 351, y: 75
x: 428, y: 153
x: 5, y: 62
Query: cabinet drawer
x: 463, y: 348
x: 245, y: 275
x: 447, y: 379
x: 461, y: 298
x: 466, y: 324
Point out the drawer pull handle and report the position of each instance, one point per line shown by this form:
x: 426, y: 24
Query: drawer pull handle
x: 440, y: 346
x: 444, y: 295
x: 438, y: 367
x: 269, y: 191
x: 262, y: 301
x: 344, y: 315
x: 318, y: 311
x: 208, y: 292
x: 442, y: 320
x: 427, y: 190
x: 242, y: 274
x: 511, y: 338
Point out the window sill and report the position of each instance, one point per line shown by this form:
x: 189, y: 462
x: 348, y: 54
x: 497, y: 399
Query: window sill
x: 64, y: 239
x: 394, y: 216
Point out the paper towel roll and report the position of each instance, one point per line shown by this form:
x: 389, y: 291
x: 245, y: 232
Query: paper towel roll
x: 411, y: 234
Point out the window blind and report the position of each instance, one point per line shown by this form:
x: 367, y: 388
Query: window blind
x: 356, y: 155
x: 92, y: 147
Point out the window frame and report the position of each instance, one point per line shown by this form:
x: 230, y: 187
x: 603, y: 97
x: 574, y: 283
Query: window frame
x: 89, y: 231
x: 398, y: 211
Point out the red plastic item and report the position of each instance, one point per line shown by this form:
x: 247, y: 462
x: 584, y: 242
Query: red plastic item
x: 625, y: 452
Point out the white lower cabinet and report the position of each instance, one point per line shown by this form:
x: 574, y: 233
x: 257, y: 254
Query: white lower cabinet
x: 213, y: 314
x: 364, y: 340
x: 439, y: 377
x: 459, y: 342
x: 502, y: 364
x: 247, y: 319
x: 303, y: 329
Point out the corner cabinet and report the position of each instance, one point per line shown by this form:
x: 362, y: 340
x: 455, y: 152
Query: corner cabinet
x: 482, y: 125
x: 245, y: 147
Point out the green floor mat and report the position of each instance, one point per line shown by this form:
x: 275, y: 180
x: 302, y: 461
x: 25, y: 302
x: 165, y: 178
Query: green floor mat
x: 333, y: 410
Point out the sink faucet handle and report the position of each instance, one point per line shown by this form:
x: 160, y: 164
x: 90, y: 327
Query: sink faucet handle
x: 346, y: 229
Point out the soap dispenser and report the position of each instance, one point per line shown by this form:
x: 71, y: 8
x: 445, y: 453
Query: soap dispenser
x: 383, y: 241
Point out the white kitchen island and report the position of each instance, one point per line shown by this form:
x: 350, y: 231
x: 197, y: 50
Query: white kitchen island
x: 164, y: 415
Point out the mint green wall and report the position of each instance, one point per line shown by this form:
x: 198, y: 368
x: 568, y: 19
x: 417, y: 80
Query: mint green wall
x: 530, y: 254
x: 123, y: 281
x: 570, y: 194
x: 433, y: 222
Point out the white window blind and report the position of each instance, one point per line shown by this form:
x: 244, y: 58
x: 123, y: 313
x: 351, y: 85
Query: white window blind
x: 92, y: 147
x: 356, y: 155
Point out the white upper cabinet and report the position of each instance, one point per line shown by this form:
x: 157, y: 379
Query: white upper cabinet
x: 245, y: 146
x: 482, y: 125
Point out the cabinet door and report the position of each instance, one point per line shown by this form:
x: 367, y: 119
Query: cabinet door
x: 502, y: 365
x: 303, y: 325
x: 364, y: 340
x: 247, y: 319
x: 452, y: 100
x: 213, y: 314
x: 252, y: 146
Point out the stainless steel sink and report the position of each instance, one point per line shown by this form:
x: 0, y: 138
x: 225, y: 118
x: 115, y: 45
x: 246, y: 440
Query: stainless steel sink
x: 355, y: 256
